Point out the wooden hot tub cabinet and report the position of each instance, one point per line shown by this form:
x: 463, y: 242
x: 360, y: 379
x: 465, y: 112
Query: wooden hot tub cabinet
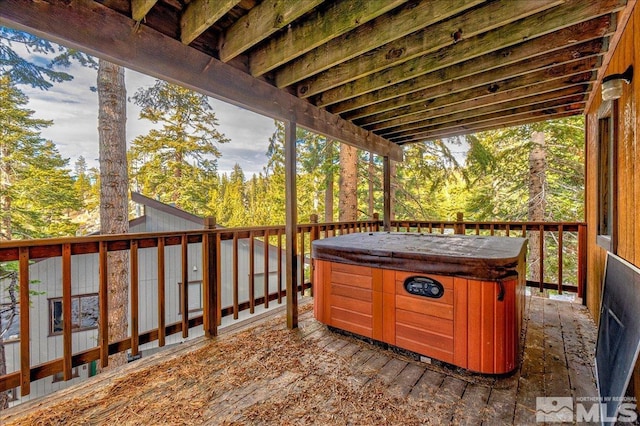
x: 475, y: 319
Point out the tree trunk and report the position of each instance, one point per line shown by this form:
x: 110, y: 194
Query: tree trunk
x: 114, y: 214
x: 348, y: 201
x: 537, y: 198
x: 5, y: 198
x: 371, y: 171
x: 328, y: 193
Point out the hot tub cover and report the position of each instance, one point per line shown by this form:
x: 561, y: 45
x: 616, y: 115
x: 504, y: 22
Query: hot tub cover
x: 482, y: 257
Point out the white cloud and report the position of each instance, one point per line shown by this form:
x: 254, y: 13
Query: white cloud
x: 73, y: 108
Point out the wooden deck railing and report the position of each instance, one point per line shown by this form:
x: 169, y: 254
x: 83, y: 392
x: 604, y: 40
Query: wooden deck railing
x: 211, y: 241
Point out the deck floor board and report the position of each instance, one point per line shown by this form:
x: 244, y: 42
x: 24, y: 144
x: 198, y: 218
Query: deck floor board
x: 328, y: 377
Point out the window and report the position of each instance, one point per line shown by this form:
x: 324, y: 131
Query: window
x: 606, y: 177
x: 13, y: 324
x: 195, y: 296
x: 84, y: 313
x: 59, y: 377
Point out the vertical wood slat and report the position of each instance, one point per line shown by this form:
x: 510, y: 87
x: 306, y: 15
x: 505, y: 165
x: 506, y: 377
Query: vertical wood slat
x: 302, y: 261
x: 541, y: 255
x: 386, y: 194
x: 582, y: 262
x: 209, y: 284
x: 252, y: 273
x: 218, y: 246
x: 266, y: 269
x: 560, y: 237
x: 235, y: 275
x: 103, y: 296
x: 185, y: 287
x: 161, y: 293
x: 134, y: 297
x: 279, y: 235
x: 315, y: 235
x: 25, y: 337
x: 67, y: 323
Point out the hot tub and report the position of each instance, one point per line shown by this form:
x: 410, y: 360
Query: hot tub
x: 455, y: 298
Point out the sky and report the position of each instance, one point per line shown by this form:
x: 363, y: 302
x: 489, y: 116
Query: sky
x: 73, y: 108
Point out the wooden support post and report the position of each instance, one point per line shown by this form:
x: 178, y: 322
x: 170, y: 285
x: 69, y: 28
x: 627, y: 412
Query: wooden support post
x: 134, y: 298
x: 66, y: 312
x: 209, y: 279
x: 291, y: 222
x: 103, y: 297
x: 376, y: 219
x: 582, y: 262
x: 184, y: 301
x: 25, y: 337
x: 386, y: 214
x: 459, y: 226
x: 161, y: 293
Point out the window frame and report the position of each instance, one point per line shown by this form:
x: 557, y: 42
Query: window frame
x: 607, y: 176
x: 79, y: 297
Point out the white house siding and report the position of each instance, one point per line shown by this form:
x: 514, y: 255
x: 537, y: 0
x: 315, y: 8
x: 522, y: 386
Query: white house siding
x: 84, y: 278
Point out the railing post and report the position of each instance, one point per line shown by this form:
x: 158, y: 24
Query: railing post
x: 582, y: 262
x: 209, y: 278
x: 376, y: 219
x: 313, y: 235
x: 459, y: 228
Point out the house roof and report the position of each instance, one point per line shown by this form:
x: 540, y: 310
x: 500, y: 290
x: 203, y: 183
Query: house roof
x: 375, y: 74
x: 166, y: 208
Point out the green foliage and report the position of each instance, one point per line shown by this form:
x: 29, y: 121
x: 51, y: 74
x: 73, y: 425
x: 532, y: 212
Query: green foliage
x: 36, y: 190
x: 36, y: 74
x: 176, y: 163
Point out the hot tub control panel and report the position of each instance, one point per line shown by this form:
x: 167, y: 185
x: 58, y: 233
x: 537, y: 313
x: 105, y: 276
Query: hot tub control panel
x: 424, y: 286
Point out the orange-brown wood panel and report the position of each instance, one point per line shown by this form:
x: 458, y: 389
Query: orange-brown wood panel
x: 352, y: 292
x: 460, y: 322
x: 318, y: 291
x: 426, y: 345
x: 378, y: 307
x: 389, y: 313
x: 352, y: 321
x: 355, y: 280
x: 427, y: 322
x: 489, y: 335
x: 351, y: 269
x: 355, y: 305
x: 474, y: 326
x: 421, y: 304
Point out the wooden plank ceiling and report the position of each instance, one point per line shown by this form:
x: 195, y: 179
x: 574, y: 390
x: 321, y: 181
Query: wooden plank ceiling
x: 405, y: 70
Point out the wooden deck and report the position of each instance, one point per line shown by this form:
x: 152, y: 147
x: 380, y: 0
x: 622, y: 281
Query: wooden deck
x: 266, y: 374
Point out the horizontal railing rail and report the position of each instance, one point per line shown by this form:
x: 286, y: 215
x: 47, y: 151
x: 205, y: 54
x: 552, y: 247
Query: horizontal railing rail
x: 261, y: 291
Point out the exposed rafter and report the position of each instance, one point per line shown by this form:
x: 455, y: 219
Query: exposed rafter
x: 200, y: 15
x: 571, y: 13
x: 140, y: 8
x: 429, y: 40
x: 340, y: 18
x: 382, y: 30
x: 145, y: 48
x: 262, y: 21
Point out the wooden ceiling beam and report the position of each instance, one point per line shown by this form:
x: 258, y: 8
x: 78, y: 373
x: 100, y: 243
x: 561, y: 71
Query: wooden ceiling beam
x: 498, y: 124
x: 564, y: 75
x: 199, y: 15
x: 261, y: 22
x: 576, y: 93
x: 141, y: 48
x: 495, y: 81
x: 565, y: 104
x: 570, y: 13
x: 140, y: 8
x: 407, y: 19
x: 586, y: 38
x: 339, y: 18
x: 441, y: 34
